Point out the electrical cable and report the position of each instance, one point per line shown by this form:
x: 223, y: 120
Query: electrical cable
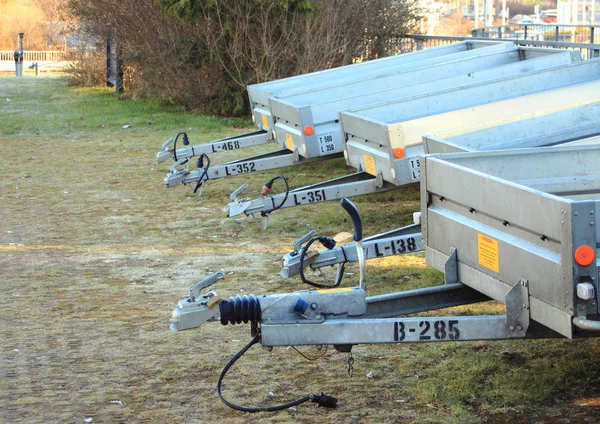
x: 322, y: 399
x: 329, y: 243
x: 200, y: 164
x: 267, y: 189
x: 186, y: 141
x: 309, y: 358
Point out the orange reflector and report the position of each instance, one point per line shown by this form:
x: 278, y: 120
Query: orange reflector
x: 584, y: 255
x: 308, y: 130
x: 398, y: 152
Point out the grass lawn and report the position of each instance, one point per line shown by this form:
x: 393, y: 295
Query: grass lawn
x: 95, y: 253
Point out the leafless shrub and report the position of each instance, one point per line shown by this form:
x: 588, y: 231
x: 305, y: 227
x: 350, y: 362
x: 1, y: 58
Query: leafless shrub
x: 87, y: 67
x: 205, y: 61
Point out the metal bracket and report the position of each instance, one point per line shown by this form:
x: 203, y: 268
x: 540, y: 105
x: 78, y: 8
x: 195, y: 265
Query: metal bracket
x: 297, y: 245
x: 207, y: 282
x: 237, y: 206
x: 379, y: 180
x: 517, y: 309
x: 233, y: 196
x: 167, y: 144
x: 451, y: 268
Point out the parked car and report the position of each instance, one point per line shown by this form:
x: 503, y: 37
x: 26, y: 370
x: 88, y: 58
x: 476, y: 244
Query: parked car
x: 548, y: 16
x: 531, y: 21
x: 517, y: 18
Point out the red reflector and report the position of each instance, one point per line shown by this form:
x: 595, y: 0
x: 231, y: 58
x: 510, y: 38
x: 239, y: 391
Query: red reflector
x: 584, y: 255
x: 399, y: 153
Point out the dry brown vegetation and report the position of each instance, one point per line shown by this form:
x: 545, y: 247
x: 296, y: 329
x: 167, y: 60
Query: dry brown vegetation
x: 32, y: 17
x: 202, y: 55
x: 95, y: 253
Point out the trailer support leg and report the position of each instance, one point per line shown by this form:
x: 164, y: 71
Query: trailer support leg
x: 517, y: 309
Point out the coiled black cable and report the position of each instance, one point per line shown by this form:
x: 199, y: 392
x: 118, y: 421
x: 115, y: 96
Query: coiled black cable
x: 322, y: 399
x: 200, y: 164
x: 329, y: 243
x: 269, y: 184
x: 186, y: 141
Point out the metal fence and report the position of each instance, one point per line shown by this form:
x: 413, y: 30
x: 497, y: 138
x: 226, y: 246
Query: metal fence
x: 34, y: 56
x: 420, y: 42
x: 545, y: 32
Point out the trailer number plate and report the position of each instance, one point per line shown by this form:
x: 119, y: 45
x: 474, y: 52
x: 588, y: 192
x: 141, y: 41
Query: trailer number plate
x: 426, y: 330
x: 289, y: 141
x: 313, y: 196
x: 240, y: 168
x: 326, y: 144
x: 414, y: 165
x: 225, y: 146
x: 265, y: 123
x: 487, y: 252
x: 370, y: 165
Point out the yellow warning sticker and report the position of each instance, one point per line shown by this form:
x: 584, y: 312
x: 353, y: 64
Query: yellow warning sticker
x: 487, y: 252
x: 338, y: 290
x: 370, y: 165
x: 289, y: 142
x: 265, y: 122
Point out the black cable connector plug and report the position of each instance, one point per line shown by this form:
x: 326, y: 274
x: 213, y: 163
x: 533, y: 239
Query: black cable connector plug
x: 204, y: 175
x: 327, y: 242
x: 324, y: 400
x: 186, y: 140
x: 266, y: 190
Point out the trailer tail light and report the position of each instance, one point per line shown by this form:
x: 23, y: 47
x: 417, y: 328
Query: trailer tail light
x: 584, y: 255
x: 399, y: 153
x: 309, y: 130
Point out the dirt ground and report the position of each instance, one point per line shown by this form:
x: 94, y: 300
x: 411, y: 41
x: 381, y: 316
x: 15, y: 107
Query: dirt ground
x: 95, y: 253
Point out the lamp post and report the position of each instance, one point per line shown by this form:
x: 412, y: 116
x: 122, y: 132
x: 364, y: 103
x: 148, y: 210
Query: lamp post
x: 19, y: 57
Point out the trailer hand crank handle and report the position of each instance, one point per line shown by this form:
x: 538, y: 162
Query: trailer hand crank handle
x: 357, y: 223
x: 355, y: 216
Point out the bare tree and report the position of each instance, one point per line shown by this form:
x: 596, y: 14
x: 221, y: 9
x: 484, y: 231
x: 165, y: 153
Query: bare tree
x: 204, y: 54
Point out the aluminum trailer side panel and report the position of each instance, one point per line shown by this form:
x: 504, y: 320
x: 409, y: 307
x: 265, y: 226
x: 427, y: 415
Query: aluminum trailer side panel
x: 372, y: 142
x: 259, y: 94
x: 510, y: 216
x: 573, y: 122
x: 336, y: 90
x: 319, y: 109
